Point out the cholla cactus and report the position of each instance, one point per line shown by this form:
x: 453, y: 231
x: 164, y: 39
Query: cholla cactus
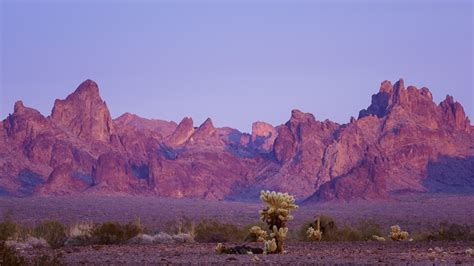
x: 396, y: 234
x: 220, y: 248
x: 258, y: 233
x: 276, y: 215
x: 315, y: 234
x: 270, y: 246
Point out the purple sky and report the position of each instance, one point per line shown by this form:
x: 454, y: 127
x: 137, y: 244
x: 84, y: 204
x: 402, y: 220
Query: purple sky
x: 236, y: 62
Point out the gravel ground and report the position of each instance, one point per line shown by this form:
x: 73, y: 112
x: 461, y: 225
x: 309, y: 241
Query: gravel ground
x: 397, y: 253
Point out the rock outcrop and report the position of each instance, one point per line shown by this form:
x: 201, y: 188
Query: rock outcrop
x: 402, y: 143
x: 84, y: 114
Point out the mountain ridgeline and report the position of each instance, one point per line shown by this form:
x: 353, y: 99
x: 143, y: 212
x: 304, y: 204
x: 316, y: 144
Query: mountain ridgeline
x: 402, y: 143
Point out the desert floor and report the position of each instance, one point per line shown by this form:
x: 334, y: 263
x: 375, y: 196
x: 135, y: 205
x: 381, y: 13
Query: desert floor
x: 297, y: 253
x: 414, y: 213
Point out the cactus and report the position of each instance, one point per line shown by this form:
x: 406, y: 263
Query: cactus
x: 276, y: 214
x: 257, y: 233
x: 220, y: 249
x: 396, y: 234
x: 315, y: 234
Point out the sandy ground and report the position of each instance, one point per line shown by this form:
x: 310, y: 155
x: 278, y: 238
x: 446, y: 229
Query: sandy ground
x: 393, y: 253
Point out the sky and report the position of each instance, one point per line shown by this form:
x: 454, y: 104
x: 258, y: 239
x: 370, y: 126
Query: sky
x: 234, y: 61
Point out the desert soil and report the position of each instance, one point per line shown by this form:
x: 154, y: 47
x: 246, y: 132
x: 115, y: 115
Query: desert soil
x: 416, y: 214
x: 449, y: 253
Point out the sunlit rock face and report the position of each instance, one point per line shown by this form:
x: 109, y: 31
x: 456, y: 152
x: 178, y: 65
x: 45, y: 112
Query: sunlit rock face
x: 84, y: 113
x: 402, y: 143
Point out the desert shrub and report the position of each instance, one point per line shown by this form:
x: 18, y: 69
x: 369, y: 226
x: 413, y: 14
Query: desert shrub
x: 115, y: 233
x: 8, y: 229
x: 9, y: 256
x: 80, y: 234
x: 28, y: 243
x: 364, y: 230
x: 368, y: 228
x: 142, y: 239
x: 449, y: 232
x: 183, y: 225
x: 183, y: 238
x: 163, y: 237
x: 348, y: 233
x: 327, y: 226
x: 52, y: 231
x: 215, y: 231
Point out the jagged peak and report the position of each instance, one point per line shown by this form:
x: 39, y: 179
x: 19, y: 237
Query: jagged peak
x: 186, y: 122
x: 75, y: 113
x: 88, y: 85
x: 399, y: 85
x: 453, y: 113
x: 386, y: 86
x: 87, y: 90
x: 297, y: 115
x: 126, y: 117
x: 207, y: 124
x: 19, y: 106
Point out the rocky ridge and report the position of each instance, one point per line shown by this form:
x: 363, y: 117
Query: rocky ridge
x: 402, y: 143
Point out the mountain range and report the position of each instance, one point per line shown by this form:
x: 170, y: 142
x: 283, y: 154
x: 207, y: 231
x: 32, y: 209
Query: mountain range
x: 402, y: 143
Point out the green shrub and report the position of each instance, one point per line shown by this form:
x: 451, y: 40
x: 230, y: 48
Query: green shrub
x: 52, y: 231
x: 214, y: 231
x: 8, y: 229
x: 115, y: 233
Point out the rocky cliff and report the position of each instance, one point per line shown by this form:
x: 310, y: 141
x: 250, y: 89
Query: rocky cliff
x: 402, y: 143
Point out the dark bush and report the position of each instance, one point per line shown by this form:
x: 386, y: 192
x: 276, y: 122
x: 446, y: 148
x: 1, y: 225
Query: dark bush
x: 115, y: 233
x: 9, y: 256
x: 328, y: 227
x: 368, y: 228
x: 214, y: 231
x: 52, y: 231
x: 183, y: 225
x: 8, y: 228
x: 330, y: 231
x: 450, y: 232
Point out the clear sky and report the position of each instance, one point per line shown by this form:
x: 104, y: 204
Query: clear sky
x: 234, y: 61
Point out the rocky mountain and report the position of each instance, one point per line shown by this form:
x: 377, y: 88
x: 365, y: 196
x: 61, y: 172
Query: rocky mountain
x: 402, y: 143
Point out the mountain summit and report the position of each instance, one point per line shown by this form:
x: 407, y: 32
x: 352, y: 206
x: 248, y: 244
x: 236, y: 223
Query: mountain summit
x: 402, y: 143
